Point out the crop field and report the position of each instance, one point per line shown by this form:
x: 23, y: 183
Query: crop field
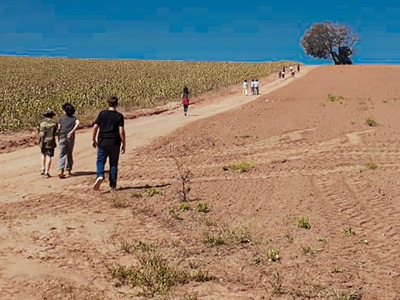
x: 30, y: 85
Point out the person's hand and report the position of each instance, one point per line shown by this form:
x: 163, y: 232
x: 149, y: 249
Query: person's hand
x: 94, y: 144
x: 123, y: 149
x: 69, y: 135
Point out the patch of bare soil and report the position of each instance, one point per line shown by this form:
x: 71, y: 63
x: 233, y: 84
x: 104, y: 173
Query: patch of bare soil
x: 306, y: 157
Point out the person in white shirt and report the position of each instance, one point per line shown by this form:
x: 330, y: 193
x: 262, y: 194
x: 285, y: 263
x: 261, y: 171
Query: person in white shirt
x: 256, y: 89
x: 245, y: 87
x: 252, y: 86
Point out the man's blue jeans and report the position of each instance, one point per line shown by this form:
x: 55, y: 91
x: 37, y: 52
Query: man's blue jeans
x: 112, y: 152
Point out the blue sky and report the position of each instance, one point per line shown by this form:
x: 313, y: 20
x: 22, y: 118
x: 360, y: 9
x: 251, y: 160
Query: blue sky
x: 192, y: 30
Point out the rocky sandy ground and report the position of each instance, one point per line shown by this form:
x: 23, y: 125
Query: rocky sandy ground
x: 310, y: 155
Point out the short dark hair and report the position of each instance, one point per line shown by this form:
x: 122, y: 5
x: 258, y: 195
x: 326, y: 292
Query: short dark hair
x: 112, y: 101
x: 69, y: 109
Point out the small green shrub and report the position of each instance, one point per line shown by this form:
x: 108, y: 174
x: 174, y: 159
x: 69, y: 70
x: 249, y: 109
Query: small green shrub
x: 347, y: 231
x: 174, y: 214
x: 303, y: 222
x: 289, y: 237
x: 336, y: 270
x: 184, y: 206
x: 370, y: 122
x: 307, y: 250
x: 153, y: 191
x: 321, y: 239
x: 257, y: 260
x: 334, y: 98
x: 273, y: 255
x: 239, y: 167
x: 371, y: 165
x: 202, y: 207
x: 214, y: 240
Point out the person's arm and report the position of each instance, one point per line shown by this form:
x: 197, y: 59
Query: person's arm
x: 59, y: 130
x: 71, y: 133
x: 123, y: 138
x: 94, y: 136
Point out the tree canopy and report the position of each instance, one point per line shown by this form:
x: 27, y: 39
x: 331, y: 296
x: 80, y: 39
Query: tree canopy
x: 328, y: 40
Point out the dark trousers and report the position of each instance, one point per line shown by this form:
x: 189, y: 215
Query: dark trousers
x: 112, y: 152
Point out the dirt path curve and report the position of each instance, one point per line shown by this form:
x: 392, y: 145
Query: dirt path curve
x: 20, y: 169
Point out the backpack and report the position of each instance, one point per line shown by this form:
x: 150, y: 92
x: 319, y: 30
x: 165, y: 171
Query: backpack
x: 47, y: 131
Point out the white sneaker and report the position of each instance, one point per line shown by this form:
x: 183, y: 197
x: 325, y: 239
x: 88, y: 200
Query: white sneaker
x: 98, y: 182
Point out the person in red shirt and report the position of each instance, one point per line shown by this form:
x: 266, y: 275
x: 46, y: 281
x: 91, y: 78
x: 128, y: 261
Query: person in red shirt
x: 185, y: 100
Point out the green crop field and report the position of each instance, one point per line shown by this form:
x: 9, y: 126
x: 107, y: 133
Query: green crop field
x: 30, y: 85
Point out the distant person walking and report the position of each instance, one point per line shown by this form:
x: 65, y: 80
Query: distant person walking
x: 280, y: 74
x: 67, y: 126
x: 47, y: 142
x: 110, y: 141
x: 283, y: 74
x: 256, y: 87
x: 298, y: 68
x: 245, y: 87
x: 252, y: 86
x: 185, y: 100
x: 291, y: 69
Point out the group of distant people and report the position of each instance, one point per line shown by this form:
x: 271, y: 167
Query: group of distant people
x: 108, y: 138
x: 282, y: 73
x: 254, y: 87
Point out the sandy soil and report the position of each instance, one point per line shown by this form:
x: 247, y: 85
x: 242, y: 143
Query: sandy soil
x: 59, y: 239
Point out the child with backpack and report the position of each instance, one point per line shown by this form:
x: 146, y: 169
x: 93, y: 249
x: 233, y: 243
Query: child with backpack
x: 47, y: 142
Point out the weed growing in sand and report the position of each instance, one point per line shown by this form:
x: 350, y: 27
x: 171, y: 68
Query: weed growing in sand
x: 289, y: 237
x: 226, y: 236
x: 347, y: 231
x: 307, y: 250
x: 336, y: 270
x: 154, y: 275
x: 239, y: 167
x: 321, y: 239
x: 185, y: 175
x: 131, y: 247
x: 190, y: 297
x: 351, y: 295
x: 273, y: 255
x: 202, y: 207
x: 175, y: 214
x: 214, y: 240
x: 257, y: 260
x: 245, y: 136
x: 334, y: 98
x: 184, y: 206
x: 303, y: 222
x: 119, y: 201
x: 153, y: 191
x: 371, y: 165
x: 370, y: 122
x: 276, y: 284
x: 202, y: 276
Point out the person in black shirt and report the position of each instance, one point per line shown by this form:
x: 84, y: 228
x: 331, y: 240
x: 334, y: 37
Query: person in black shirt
x: 110, y: 141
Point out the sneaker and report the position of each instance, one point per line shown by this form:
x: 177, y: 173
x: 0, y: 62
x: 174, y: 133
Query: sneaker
x: 42, y: 172
x: 98, y: 182
x: 61, y: 174
x: 47, y: 175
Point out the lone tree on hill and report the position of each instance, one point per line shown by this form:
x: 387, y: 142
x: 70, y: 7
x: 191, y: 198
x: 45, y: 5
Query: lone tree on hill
x: 324, y: 40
